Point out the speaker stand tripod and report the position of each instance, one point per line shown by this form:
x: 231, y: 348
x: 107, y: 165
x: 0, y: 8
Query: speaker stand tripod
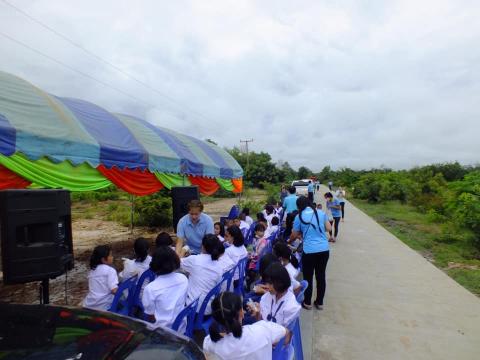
x: 45, y: 292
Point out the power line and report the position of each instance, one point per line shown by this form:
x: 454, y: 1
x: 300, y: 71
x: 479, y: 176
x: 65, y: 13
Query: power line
x: 105, y: 62
x: 73, y: 69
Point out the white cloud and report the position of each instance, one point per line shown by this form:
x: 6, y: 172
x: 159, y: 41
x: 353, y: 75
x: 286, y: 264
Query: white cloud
x: 345, y: 83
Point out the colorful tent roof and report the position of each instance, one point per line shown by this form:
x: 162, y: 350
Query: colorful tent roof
x: 52, y: 141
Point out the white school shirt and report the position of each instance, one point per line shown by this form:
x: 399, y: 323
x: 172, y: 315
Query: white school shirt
x: 132, y: 267
x: 164, y: 298
x: 270, y: 230
x: 226, y: 262
x: 293, y: 276
x: 244, y: 225
x: 221, y: 238
x: 204, y: 274
x: 285, y: 310
x: 248, y: 220
x: 236, y: 254
x: 254, y: 344
x: 101, y: 282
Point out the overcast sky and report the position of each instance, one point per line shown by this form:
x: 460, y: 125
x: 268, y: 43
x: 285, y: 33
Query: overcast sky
x: 346, y: 83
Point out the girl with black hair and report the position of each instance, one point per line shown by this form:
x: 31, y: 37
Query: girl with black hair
x: 164, y: 297
x: 219, y: 230
x: 102, y: 279
x: 278, y: 305
x: 205, y: 271
x: 313, y: 225
x: 227, y: 337
x: 141, y: 262
x: 289, y: 261
x: 237, y: 252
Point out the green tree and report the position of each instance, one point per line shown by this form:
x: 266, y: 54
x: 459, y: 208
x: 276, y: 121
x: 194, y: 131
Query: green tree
x: 260, y: 167
x: 326, y: 174
x: 304, y: 172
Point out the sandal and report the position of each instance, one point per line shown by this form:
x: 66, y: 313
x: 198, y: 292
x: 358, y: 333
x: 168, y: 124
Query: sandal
x: 306, y: 306
x: 317, y: 306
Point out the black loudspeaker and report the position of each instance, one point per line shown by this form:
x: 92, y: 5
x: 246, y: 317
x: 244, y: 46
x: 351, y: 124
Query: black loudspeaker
x: 180, y: 197
x: 35, y: 234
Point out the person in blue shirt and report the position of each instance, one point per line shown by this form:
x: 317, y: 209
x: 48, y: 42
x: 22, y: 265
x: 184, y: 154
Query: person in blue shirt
x: 290, y: 202
x: 334, y: 206
x: 193, y: 227
x: 310, y: 189
x: 313, y: 225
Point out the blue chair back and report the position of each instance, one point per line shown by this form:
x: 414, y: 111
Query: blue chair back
x: 228, y: 278
x: 250, y: 234
x: 189, y: 313
x: 137, y: 305
x: 200, y: 323
x: 280, y: 351
x: 234, y: 212
x: 303, y: 287
x: 297, y: 341
x: 122, y: 303
x: 241, y: 266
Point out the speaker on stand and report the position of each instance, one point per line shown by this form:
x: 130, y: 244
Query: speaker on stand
x: 35, y: 236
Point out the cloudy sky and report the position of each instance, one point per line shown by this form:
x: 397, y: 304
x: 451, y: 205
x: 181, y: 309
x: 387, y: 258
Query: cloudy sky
x: 356, y: 83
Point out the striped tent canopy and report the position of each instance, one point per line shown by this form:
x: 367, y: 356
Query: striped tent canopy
x: 55, y: 142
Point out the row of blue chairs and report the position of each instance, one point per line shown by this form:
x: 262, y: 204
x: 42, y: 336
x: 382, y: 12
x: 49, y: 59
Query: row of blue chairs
x: 127, y: 299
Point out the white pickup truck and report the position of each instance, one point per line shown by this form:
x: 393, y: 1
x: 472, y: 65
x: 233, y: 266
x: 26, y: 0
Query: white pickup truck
x: 302, y: 186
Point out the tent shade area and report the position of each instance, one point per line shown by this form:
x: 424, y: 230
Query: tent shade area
x: 49, y: 141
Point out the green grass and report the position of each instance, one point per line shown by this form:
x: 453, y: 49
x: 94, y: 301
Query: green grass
x: 441, y: 246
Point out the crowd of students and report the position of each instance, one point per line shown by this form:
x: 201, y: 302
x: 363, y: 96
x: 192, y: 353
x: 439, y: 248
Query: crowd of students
x: 250, y: 326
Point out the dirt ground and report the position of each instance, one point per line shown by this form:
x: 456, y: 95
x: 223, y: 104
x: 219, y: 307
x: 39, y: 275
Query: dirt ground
x: 87, y: 233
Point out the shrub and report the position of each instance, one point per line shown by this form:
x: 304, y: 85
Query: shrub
x: 254, y: 206
x: 154, y: 210
x: 273, y: 192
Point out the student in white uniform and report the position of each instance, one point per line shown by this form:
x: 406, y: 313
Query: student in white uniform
x: 164, y: 239
x: 289, y: 261
x: 238, y: 251
x: 164, y: 297
x: 248, y: 219
x: 228, y: 339
x: 205, y: 271
x: 141, y: 262
x: 278, y: 304
x: 219, y: 231
x: 269, y: 214
x: 273, y: 228
x: 102, y: 279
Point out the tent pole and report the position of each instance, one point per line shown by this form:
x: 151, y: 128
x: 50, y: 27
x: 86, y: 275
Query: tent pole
x: 131, y: 213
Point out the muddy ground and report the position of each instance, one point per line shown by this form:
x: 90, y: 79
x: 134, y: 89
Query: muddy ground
x: 87, y: 233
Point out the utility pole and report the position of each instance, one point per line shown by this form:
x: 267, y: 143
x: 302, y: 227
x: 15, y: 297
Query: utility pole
x: 246, y: 148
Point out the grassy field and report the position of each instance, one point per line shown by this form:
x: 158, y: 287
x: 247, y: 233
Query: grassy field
x: 455, y: 255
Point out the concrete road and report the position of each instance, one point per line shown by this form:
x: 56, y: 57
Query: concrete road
x: 385, y: 301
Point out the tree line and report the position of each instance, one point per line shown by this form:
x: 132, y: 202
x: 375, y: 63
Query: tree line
x: 449, y: 193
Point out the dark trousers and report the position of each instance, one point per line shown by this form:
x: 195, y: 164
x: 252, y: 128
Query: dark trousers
x: 335, y: 224
x: 315, y: 263
x: 310, y: 197
x: 342, y: 205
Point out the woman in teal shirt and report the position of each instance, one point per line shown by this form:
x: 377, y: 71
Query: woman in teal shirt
x: 313, y: 225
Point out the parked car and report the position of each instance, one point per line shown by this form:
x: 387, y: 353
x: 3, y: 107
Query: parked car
x: 301, y: 186
x: 54, y: 332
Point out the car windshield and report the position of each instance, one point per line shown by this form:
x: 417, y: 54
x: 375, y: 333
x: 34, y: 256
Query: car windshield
x: 300, y: 183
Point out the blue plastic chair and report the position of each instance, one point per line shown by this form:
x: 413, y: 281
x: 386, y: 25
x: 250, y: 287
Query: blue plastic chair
x: 280, y: 351
x: 297, y: 341
x: 228, y: 278
x: 137, y: 306
x: 241, y: 266
x: 202, y: 323
x: 250, y: 234
x: 189, y: 313
x: 122, y: 303
x: 303, y: 287
x: 234, y: 212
